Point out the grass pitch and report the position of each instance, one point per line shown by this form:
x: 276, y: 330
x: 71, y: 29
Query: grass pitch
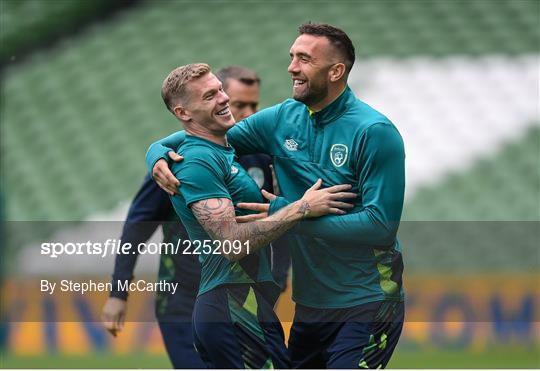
x: 496, y: 358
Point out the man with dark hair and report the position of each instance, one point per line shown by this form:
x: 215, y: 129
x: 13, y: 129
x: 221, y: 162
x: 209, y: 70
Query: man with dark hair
x: 234, y: 76
x: 339, y: 40
x: 347, y: 269
x: 242, y: 86
x: 152, y: 207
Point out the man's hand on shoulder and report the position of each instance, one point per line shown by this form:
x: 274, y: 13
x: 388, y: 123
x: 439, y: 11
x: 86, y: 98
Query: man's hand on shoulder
x: 163, y: 175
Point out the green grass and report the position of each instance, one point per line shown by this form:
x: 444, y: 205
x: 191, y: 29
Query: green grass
x: 96, y: 360
x: 497, y: 358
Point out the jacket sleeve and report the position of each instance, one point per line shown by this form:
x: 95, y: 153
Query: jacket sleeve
x: 149, y: 208
x: 254, y: 134
x: 381, y: 181
x: 160, y: 149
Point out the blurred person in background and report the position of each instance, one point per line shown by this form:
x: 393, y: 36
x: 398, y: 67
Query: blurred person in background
x: 242, y: 85
x: 347, y: 269
x: 149, y: 209
x: 152, y: 207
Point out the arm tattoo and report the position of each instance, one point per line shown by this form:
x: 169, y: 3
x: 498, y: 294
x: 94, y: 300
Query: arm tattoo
x: 216, y: 216
x: 305, y: 208
x: 212, y: 210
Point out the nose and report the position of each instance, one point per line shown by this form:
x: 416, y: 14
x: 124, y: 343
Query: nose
x: 293, y: 67
x: 223, y: 98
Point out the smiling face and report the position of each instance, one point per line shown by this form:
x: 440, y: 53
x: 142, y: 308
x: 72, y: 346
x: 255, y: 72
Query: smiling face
x: 207, y: 106
x: 311, y: 61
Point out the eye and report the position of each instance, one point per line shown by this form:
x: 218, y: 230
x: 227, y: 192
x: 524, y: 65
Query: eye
x: 239, y: 105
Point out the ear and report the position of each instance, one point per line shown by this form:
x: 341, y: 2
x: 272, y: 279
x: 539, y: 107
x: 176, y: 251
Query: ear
x: 182, y: 113
x: 336, y: 72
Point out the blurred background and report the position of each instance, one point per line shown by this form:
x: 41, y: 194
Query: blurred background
x: 80, y: 103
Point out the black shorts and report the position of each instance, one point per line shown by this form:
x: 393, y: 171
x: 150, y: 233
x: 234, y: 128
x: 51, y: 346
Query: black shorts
x: 363, y: 336
x: 174, y: 314
x: 234, y: 326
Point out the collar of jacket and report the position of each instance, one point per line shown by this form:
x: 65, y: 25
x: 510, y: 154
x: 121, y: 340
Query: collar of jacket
x: 334, y: 110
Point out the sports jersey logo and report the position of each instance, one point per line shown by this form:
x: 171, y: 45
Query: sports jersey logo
x: 234, y: 169
x: 291, y: 145
x: 338, y: 154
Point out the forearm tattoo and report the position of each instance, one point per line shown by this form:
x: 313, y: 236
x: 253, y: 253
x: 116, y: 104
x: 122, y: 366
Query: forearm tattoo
x: 216, y: 216
x: 305, y: 208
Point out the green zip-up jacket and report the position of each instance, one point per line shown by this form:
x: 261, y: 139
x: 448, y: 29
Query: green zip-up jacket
x: 338, y: 261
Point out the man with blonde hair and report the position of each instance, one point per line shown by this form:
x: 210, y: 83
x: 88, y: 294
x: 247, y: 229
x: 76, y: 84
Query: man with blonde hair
x: 152, y: 208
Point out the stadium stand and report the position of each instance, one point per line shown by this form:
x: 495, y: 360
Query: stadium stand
x: 89, y: 106
x: 30, y: 24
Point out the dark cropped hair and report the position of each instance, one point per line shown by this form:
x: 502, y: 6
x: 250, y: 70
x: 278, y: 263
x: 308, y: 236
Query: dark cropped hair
x: 337, y: 37
x: 242, y: 74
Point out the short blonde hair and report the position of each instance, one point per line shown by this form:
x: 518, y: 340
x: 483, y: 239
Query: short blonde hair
x: 173, y: 89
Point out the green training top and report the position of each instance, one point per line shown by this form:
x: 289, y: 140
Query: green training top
x: 210, y: 171
x: 337, y: 261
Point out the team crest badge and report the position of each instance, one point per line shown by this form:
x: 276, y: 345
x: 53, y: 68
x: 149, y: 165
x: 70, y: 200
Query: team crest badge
x: 234, y: 170
x: 338, y: 154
